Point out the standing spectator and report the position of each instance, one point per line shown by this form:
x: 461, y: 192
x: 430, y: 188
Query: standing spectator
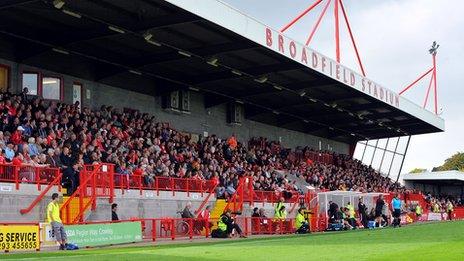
x: 363, y: 212
x: 114, y: 214
x: 449, y: 209
x: 53, y: 217
x: 278, y: 207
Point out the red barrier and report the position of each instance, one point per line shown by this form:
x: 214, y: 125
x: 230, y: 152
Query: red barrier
x: 191, y: 228
x: 125, y: 182
x: 27, y: 174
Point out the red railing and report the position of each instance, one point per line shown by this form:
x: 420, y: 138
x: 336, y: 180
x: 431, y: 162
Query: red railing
x: 191, y: 228
x: 141, y: 183
x: 93, y: 184
x: 55, y: 182
x: 244, y: 190
x: 311, y: 155
x: 27, y: 174
x: 274, y: 196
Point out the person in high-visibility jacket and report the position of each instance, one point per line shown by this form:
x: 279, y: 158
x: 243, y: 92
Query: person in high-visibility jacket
x: 436, y: 207
x: 301, y: 224
x: 278, y: 206
x: 449, y: 210
x: 351, y: 215
x: 226, y: 225
x: 418, y: 211
x: 281, y: 214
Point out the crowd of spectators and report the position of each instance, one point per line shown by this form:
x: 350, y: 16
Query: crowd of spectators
x: 42, y: 133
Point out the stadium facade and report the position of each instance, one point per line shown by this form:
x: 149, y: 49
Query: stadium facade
x: 228, y: 64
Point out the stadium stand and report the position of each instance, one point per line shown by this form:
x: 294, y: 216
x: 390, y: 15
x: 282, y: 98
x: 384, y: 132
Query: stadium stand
x: 58, y: 135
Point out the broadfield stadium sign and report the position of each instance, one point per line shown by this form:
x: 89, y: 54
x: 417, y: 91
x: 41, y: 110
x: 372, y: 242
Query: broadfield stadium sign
x: 328, y: 67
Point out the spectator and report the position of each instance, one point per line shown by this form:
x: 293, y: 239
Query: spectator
x: 114, y: 214
x: 449, y: 209
x: 351, y: 215
x: 2, y: 157
x: 187, y: 213
x: 255, y: 213
x: 33, y: 149
x: 9, y: 151
x: 70, y: 179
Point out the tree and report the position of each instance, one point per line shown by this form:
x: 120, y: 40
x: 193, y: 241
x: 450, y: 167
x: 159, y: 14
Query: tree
x: 418, y: 170
x: 455, y: 162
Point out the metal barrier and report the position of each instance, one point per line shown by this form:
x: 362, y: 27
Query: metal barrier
x: 125, y: 182
x: 194, y: 228
x: 27, y: 174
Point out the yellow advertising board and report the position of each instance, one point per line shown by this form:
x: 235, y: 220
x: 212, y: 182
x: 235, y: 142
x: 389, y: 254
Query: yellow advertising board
x: 19, y: 238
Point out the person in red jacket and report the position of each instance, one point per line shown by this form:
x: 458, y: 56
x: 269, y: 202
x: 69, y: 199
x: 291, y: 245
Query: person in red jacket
x: 16, y: 137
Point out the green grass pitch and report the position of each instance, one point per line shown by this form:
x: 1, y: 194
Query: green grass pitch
x: 433, y: 241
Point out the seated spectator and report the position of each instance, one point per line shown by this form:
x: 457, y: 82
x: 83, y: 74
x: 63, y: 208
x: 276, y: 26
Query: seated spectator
x: 2, y: 157
x: 187, y: 213
x: 9, y: 151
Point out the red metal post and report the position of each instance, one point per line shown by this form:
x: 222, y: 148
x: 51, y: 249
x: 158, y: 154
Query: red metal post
x: 173, y: 231
x: 428, y: 91
x: 111, y: 167
x: 420, y: 78
x: 94, y: 189
x: 201, y: 188
x: 16, y: 176
x: 300, y: 16
x: 337, y: 32
x: 190, y: 222
x: 153, y: 229
x: 172, y: 187
x: 37, y: 177
x: 140, y: 184
x: 318, y: 22
x: 206, y: 227
x: 157, y: 186
x: 352, y: 39
x: 435, y: 82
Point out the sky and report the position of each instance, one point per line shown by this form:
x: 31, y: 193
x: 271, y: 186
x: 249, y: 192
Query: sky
x: 393, y: 37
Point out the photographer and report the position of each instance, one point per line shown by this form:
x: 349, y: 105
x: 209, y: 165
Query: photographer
x: 226, y: 225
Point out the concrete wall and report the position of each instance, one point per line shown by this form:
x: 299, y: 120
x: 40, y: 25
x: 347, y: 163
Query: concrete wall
x: 132, y: 204
x: 200, y: 120
x: 12, y: 201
